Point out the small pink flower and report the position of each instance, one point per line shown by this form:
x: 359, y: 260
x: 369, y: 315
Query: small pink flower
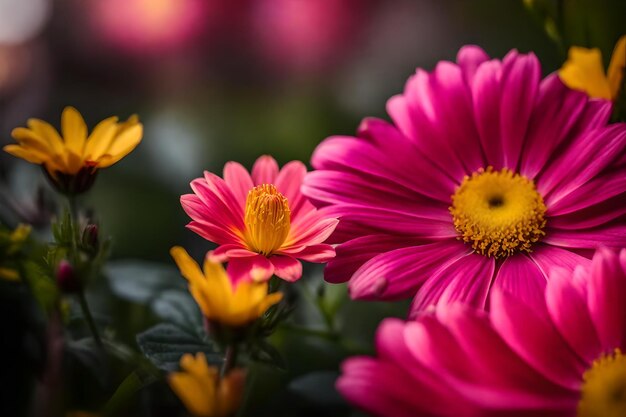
x: 564, y: 357
x: 261, y: 221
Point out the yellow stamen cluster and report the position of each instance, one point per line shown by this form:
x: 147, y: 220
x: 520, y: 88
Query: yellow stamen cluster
x: 603, y: 391
x: 203, y: 391
x: 220, y: 301
x: 267, y: 219
x: 498, y: 212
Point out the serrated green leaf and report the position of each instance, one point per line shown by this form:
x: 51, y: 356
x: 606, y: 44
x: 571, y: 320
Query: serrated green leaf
x: 140, y: 282
x: 179, y: 308
x: 165, y: 343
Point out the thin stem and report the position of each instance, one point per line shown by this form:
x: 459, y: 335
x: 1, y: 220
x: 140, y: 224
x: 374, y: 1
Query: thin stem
x: 89, y: 318
x: 230, y: 358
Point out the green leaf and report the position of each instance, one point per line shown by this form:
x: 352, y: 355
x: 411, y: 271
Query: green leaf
x: 165, y: 343
x: 126, y: 391
x: 179, y: 308
x: 42, y: 285
x: 140, y: 282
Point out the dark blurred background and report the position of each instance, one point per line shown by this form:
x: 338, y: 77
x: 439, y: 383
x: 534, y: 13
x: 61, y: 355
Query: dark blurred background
x: 219, y: 80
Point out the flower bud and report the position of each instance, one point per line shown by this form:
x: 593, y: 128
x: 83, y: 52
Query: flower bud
x: 67, y: 280
x: 90, y: 237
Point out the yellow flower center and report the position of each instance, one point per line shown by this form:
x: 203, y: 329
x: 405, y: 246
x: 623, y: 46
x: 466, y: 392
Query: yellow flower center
x: 498, y: 212
x: 604, y: 387
x: 267, y: 219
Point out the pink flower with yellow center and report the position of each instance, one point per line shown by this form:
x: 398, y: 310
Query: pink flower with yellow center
x: 565, y: 356
x: 489, y: 177
x: 261, y: 221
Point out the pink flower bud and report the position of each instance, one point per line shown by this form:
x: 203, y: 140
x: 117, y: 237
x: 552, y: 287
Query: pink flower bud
x: 67, y: 280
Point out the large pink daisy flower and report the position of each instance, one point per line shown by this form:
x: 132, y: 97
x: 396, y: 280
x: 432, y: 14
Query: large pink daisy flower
x: 490, y: 176
x: 261, y: 222
x: 564, y: 357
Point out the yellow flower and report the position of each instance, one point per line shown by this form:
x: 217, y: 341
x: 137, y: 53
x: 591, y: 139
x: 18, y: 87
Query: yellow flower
x: 584, y: 71
x: 10, y: 244
x: 202, y: 391
x: 216, y: 295
x: 71, y: 160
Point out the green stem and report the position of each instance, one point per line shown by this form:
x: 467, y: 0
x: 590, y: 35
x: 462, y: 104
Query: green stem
x: 230, y: 358
x: 89, y: 318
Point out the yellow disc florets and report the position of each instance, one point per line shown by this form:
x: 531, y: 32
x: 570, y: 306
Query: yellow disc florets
x: 498, y: 212
x: 267, y: 219
x: 603, y: 392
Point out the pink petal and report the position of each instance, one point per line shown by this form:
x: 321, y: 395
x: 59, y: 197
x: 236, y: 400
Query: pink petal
x: 399, y: 273
x: 312, y: 230
x: 519, y: 85
x: 286, y: 267
x: 486, y: 91
x: 288, y: 182
x: 597, y: 190
x: 469, y: 58
x: 319, y: 253
x: 533, y: 336
x: 354, y: 253
x: 520, y: 276
x: 213, y: 233
x: 580, y: 162
x: 224, y: 252
x: 567, y: 305
x: 253, y: 268
x: 553, y: 121
x: 265, y: 170
x: 549, y: 257
x: 220, y: 204
x: 606, y: 290
x: 465, y: 279
x: 590, y: 217
x: 613, y: 235
x: 239, y: 181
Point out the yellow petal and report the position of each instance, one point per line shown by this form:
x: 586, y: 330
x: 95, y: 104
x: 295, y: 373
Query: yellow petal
x: 584, y: 71
x: 617, y: 67
x: 100, y: 139
x: 47, y: 131
x: 219, y: 286
x: 31, y: 139
x: 123, y: 144
x: 9, y: 274
x: 188, y: 267
x: 29, y: 155
x: 196, y: 385
x: 269, y: 301
x: 74, y: 130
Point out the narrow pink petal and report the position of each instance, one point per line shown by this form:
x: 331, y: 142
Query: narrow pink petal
x: 311, y: 231
x: 465, y: 279
x: 597, y: 113
x: 597, y: 190
x: 399, y: 273
x: 286, y: 267
x: 595, y: 216
x: 612, y: 235
x: 319, y: 253
x: 354, y: 253
x: 225, y: 252
x: 520, y: 276
x: 265, y: 170
x: 606, y: 290
x: 218, y: 209
x: 253, y: 268
x: 469, y: 58
x: 213, y: 233
x: 520, y: 82
x: 567, y: 305
x: 486, y: 91
x: 532, y: 335
x: 548, y: 257
x: 580, y: 162
x: 552, y: 122
x: 288, y: 182
x: 239, y: 181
